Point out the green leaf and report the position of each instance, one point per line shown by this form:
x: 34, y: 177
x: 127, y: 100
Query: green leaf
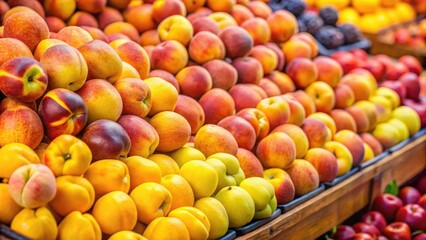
x: 417, y: 233
x: 392, y: 188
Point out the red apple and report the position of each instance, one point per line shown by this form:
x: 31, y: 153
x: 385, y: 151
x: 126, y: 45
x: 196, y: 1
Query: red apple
x: 411, y: 63
x: 409, y: 195
x: 347, y: 60
x: 398, y: 230
x: 402, y: 36
x: 412, y: 85
x: 376, y: 219
x: 388, y: 205
x: 377, y: 68
x: 414, y: 215
x: 360, y: 54
x: 343, y: 232
x: 362, y: 227
x: 421, y: 236
x: 421, y: 185
x: 363, y: 236
x: 395, y: 70
x: 422, y: 201
x: 419, y: 108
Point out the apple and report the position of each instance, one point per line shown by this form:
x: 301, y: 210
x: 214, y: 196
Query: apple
x: 227, y: 168
x: 347, y: 60
x: 395, y: 71
x: 377, y: 68
x: 421, y: 185
x: 411, y: 83
x: 282, y: 183
x: 388, y: 205
x: 362, y: 227
x: 421, y: 236
x: 343, y: 232
x: 398, y: 230
x: 375, y: 218
x: 414, y: 215
x: 363, y: 236
x: 409, y: 195
x: 411, y: 63
x: 419, y: 108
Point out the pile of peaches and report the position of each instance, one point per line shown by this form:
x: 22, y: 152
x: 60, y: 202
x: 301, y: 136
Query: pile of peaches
x: 125, y: 119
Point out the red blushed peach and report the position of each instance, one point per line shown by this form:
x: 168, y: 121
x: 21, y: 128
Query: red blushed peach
x: 205, y: 24
x: 294, y: 48
x: 258, y: 29
x: 223, y: 74
x: 223, y: 19
x: 280, y: 55
x: 276, y: 150
x: 74, y: 36
x: 206, y: 46
x: 343, y: 120
x: 221, y: 6
x: 298, y: 135
x: 345, y: 96
x: 359, y: 84
x: 96, y: 33
x: 324, y: 162
x: 241, y: 129
x: 92, y: 6
x: 80, y: 18
x: 123, y: 28
x: 211, y: 139
x: 200, y: 12
x: 217, y: 104
x: 13, y: 48
x: 329, y: 70
x: 8, y: 102
x: 194, y: 81
x: 323, y: 96
x: 249, y: 163
x: 170, y: 56
x: 237, y: 41
x: 114, y: 36
x: 245, y: 96
x: 316, y: 131
x: 306, y: 100
x: 57, y: 8
x: 163, y: 94
x: 283, y: 25
x: 259, y: 9
x: 22, y: 125
x: 55, y: 24
x: 192, y: 111
x: 276, y: 109
x: 28, y: 27
x: 110, y: 15
x: 241, y: 13
x: 297, y: 112
x: 360, y: 117
x: 144, y: 139
x: 257, y: 119
x: 119, y: 4
x: 375, y: 145
x: 44, y: 45
x: 282, y: 80
x: 304, y: 176
x: 166, y: 76
x: 249, y: 69
x: 134, y: 54
x: 34, y: 5
x: 149, y: 37
x: 309, y: 39
x: 267, y: 58
x: 166, y: 8
x: 136, y: 96
x: 353, y: 142
x: 129, y: 71
x: 302, y: 71
x: 271, y: 89
x: 192, y: 6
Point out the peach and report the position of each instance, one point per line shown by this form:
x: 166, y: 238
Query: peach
x: 304, y: 176
x: 223, y: 19
x: 34, y: 5
x: 324, y: 162
x: 360, y: 117
x: 221, y: 6
x: 177, y: 28
x: 192, y: 111
x: 245, y: 96
x: 192, y: 6
x: 323, y: 96
x: 167, y: 224
x: 359, y: 84
x: 305, y: 99
x: 74, y: 36
x: 387, y: 134
x: 8, y: 102
x: 10, y: 207
x: 280, y: 55
x: 302, y: 71
x: 223, y: 74
x: 96, y: 33
x: 92, y: 6
x: 166, y: 163
x: 28, y: 27
x: 370, y: 110
x: 55, y: 24
x: 180, y: 189
x: 283, y: 25
x: 110, y: 15
x: 165, y: 8
x: 345, y: 96
x: 327, y: 119
x: 44, y: 45
x: 217, y: 104
x: 257, y: 119
x: 150, y: 37
x: 170, y: 56
x: 282, y: 80
x: 166, y: 76
x: 249, y: 69
x: 271, y: 89
x: 142, y: 170
x: 317, y: 132
x: 194, y: 81
x: 185, y: 154
x: 343, y: 120
x: 143, y: 137
x: 124, y: 28
x: 103, y: 101
x: 129, y: 71
x: 12, y: 48
x: 241, y: 13
x: 200, y: 12
x: 32, y: 185
x: 258, y: 29
x: 173, y: 130
x: 266, y: 57
x: 294, y: 48
x: 237, y: 41
x: 276, y: 150
x: 60, y: 9
x: 329, y: 70
x: 65, y: 67
x: 205, y: 24
x: 276, y: 109
x: 241, y: 129
x: 21, y: 125
x: 136, y: 96
x: 134, y: 54
x: 309, y: 39
x: 22, y: 154
x: 163, y: 94
x: 297, y: 135
x: 211, y: 139
x: 297, y: 111
x: 249, y: 163
x: 85, y: 223
x: 119, y: 4
x: 80, y: 18
x: 259, y: 9
x: 196, y: 221
x: 374, y: 144
x: 206, y: 46
x: 38, y: 223
x: 353, y: 142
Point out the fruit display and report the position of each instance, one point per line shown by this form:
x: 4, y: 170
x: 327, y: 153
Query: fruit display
x: 176, y: 119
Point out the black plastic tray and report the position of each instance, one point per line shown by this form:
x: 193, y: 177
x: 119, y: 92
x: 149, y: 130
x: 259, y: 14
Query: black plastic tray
x: 340, y: 179
x: 400, y: 145
x: 364, y: 44
x: 419, y: 134
x: 10, y: 234
x: 255, y: 224
x: 229, y: 235
x: 297, y: 201
x: 375, y: 159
